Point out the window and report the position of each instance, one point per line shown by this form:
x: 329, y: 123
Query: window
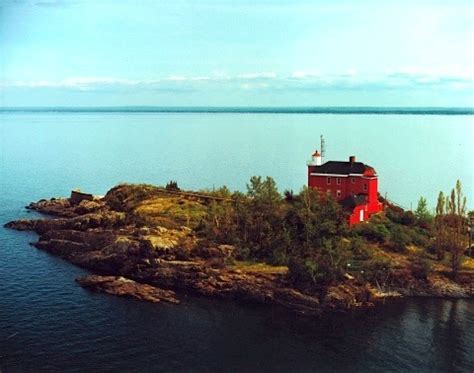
x: 328, y: 180
x: 338, y: 180
x: 353, y: 180
x: 365, y: 187
x: 338, y: 193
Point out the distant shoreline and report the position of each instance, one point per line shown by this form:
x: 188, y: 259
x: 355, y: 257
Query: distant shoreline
x: 339, y: 110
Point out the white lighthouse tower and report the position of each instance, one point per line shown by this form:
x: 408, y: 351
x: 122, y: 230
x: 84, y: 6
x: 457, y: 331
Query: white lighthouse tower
x: 315, y: 159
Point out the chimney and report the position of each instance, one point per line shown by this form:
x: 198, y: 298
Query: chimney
x: 352, y: 159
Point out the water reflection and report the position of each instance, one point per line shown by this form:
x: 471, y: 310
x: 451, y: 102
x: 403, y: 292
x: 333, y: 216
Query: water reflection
x: 447, y: 337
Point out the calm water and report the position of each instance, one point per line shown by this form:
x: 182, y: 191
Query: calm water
x: 48, y: 323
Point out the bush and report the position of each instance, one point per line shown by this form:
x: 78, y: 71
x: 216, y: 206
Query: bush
x: 400, y: 216
x: 172, y: 186
x: 399, y: 240
x: 420, y: 268
x: 377, y: 269
x: 373, y: 232
x: 360, y: 250
x: 307, y: 273
x: 289, y: 195
x: 408, y: 218
x: 419, y: 237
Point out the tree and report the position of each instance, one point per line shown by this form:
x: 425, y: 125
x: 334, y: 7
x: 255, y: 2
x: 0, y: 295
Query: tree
x: 458, y: 211
x: 264, y: 191
x: 316, y: 225
x: 440, y: 228
x: 451, y: 226
x: 260, y: 216
x: 172, y: 185
x: 422, y: 213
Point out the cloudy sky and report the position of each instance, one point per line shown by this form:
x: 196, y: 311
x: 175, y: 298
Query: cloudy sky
x: 240, y: 53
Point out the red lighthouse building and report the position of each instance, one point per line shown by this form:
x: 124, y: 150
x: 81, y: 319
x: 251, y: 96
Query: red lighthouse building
x: 353, y: 184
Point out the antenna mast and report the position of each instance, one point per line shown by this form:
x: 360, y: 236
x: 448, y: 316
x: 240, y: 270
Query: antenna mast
x: 323, y: 147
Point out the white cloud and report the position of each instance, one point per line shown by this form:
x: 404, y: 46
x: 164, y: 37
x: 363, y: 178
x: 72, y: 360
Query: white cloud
x: 405, y: 78
x: 303, y: 74
x: 262, y: 75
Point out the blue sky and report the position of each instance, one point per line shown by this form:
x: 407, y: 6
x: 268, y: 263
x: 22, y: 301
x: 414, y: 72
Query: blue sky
x: 281, y: 53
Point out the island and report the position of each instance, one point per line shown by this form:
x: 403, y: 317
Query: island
x: 290, y: 250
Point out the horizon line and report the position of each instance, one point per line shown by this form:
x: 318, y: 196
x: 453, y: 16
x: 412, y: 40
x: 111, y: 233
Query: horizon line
x: 413, y: 110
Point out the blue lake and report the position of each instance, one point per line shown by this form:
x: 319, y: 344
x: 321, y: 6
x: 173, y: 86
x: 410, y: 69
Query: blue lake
x: 48, y: 323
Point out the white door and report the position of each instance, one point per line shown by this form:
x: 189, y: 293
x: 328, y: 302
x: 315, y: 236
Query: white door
x: 361, y: 215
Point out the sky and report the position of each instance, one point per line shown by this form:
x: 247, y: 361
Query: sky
x: 236, y: 53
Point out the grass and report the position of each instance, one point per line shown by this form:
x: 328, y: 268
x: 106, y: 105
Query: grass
x: 167, y: 209
x: 468, y: 264
x: 259, y: 267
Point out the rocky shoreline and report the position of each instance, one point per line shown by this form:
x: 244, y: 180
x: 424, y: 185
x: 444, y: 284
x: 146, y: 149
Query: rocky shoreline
x: 158, y: 263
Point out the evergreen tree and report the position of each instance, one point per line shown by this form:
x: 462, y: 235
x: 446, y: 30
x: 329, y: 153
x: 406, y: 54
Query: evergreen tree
x: 422, y: 213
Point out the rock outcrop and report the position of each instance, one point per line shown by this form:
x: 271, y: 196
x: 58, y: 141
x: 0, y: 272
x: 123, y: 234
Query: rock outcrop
x: 124, y: 287
x: 149, y: 261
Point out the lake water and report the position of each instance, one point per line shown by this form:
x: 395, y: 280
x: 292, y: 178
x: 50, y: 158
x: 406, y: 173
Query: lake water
x: 48, y: 323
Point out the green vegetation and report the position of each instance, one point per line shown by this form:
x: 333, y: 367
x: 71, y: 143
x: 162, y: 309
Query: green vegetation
x: 305, y: 234
x: 422, y: 213
x: 451, y: 227
x: 172, y: 185
x: 148, y: 205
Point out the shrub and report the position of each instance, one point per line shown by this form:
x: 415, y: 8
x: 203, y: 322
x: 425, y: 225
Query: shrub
x: 307, y: 273
x: 360, y: 250
x: 399, y: 240
x: 408, y: 218
x: 289, y: 195
x: 172, y: 186
x: 420, y: 268
x: 400, y: 216
x: 377, y: 269
x: 419, y: 237
x: 373, y: 232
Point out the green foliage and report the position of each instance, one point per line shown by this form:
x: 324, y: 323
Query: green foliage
x: 425, y: 218
x: 399, y: 216
x: 252, y: 222
x: 316, y: 225
x: 420, y: 268
x: 420, y: 237
x: 264, y: 191
x: 172, y: 186
x: 377, y: 270
x: 289, y: 195
x: 326, y: 266
x: 360, y: 249
x: 373, y: 232
x: 399, y: 240
x: 303, y: 230
x: 451, y: 226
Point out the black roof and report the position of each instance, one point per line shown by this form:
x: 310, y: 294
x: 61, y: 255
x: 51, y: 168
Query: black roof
x: 354, y: 200
x: 344, y: 168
